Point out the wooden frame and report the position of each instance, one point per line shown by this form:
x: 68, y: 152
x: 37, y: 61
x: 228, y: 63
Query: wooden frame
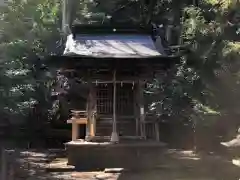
x: 90, y: 116
x: 78, y: 118
x: 82, y: 118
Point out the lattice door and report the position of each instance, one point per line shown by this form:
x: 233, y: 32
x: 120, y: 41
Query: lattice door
x: 124, y: 109
x: 105, y: 99
x: 124, y: 99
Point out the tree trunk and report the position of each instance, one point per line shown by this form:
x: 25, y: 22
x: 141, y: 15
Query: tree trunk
x: 151, y: 7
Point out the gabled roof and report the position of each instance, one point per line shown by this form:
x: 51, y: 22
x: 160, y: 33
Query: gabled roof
x: 112, y: 45
x: 113, y: 41
x: 118, y: 47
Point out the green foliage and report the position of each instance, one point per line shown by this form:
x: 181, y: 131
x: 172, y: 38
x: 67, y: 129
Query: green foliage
x: 213, y: 42
x: 100, y: 12
x: 30, y: 31
x: 195, y: 88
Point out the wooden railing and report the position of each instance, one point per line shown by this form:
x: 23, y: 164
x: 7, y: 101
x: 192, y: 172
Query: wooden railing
x: 149, y: 129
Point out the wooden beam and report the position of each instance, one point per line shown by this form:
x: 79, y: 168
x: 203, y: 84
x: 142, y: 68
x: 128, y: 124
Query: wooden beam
x: 75, y: 130
x: 78, y: 112
x: 117, y: 82
x: 107, y: 117
x: 77, y: 121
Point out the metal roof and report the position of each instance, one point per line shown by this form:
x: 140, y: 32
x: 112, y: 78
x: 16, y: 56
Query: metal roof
x: 113, y: 46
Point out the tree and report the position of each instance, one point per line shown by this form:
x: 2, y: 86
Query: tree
x: 30, y: 31
x: 194, y: 92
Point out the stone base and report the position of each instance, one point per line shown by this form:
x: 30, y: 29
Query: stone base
x: 114, y: 137
x: 90, y: 155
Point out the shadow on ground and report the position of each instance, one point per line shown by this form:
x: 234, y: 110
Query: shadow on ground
x: 174, y: 165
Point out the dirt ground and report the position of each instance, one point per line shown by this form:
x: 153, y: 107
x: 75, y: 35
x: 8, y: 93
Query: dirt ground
x: 177, y: 165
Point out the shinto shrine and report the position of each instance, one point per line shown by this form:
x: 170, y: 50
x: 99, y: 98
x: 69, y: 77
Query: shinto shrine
x: 114, y: 63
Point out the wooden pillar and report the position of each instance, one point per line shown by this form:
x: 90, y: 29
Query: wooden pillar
x: 75, y: 130
x: 78, y: 118
x: 137, y: 110
x: 87, y: 136
x: 142, y: 111
x: 156, y: 124
x: 91, y: 113
x: 114, y: 136
x: 93, y: 126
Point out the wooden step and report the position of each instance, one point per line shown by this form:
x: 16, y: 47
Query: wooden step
x: 103, y: 131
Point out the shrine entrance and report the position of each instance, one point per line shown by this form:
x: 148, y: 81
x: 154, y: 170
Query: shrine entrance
x: 124, y: 99
x: 126, y: 124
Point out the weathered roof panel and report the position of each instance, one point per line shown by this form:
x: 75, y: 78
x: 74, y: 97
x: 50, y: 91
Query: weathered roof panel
x: 112, y: 46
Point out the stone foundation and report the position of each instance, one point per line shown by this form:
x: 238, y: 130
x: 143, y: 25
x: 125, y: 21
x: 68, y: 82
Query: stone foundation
x: 85, y: 155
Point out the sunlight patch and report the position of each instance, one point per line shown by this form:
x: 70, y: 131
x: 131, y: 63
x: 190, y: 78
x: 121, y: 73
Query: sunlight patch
x: 236, y: 162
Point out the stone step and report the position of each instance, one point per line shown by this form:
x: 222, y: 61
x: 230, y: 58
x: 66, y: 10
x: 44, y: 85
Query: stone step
x: 59, y: 165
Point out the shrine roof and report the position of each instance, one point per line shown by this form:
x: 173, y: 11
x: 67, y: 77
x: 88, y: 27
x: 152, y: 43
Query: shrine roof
x: 111, y: 42
x: 115, y: 46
